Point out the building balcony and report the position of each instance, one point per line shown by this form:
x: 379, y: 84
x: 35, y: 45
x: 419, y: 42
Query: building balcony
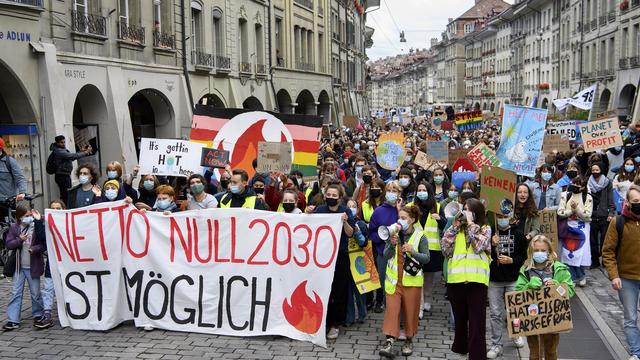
x: 337, y: 81
x: 34, y: 3
x: 594, y: 24
x: 603, y: 20
x: 634, y: 61
x: 305, y: 3
x: 88, y: 24
x: 129, y: 32
x: 245, y: 67
x: 163, y: 40
x: 202, y: 59
x: 612, y: 16
x: 304, y: 66
x: 223, y: 63
x: 261, y: 69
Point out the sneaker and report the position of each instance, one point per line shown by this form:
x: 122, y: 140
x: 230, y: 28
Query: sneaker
x: 494, y: 352
x: 46, y: 322
x: 37, y: 320
x: 420, y: 315
x: 387, y: 350
x: 402, y: 336
x: 407, y: 347
x: 519, y: 341
x: 333, y: 333
x: 427, y: 307
x: 634, y: 357
x: 582, y: 283
x: 378, y: 308
x: 10, y: 326
x: 148, y: 328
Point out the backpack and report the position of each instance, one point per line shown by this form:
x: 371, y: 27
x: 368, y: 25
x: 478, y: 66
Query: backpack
x: 619, y: 229
x: 51, y: 164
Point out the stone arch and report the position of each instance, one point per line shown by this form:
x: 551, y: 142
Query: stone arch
x: 212, y: 100
x: 91, y: 122
x: 15, y: 103
x: 285, y: 105
x: 545, y: 103
x: 306, y: 103
x: 324, y: 107
x: 605, y: 98
x: 476, y: 106
x: 152, y: 115
x: 625, y: 100
x: 492, y: 108
x: 252, y: 103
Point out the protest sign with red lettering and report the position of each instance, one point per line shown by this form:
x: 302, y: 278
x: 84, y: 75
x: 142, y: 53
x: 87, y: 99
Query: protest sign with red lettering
x: 482, y: 155
x: 238, y: 272
x: 601, y: 134
x: 498, y: 187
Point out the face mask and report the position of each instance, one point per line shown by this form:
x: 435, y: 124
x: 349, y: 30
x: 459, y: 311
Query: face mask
x: 197, y: 188
x: 111, y: 174
x: 111, y: 194
x: 358, y: 169
x: 575, y: 189
x: 83, y: 179
x: 356, y: 146
x: 596, y: 175
x: 404, y: 182
x: 560, y: 167
x: 404, y: 224
x: 546, y: 176
x: 224, y: 183
x: 288, y: 207
x: 453, y: 195
x: 629, y: 168
x: 235, y: 189
x: 467, y: 191
x: 571, y: 174
x: 391, y: 198
x: 635, y: 208
x: 258, y: 191
x: 346, y: 161
x: 438, y: 179
x: 503, y: 223
x: 353, y: 211
x: 375, y: 192
x: 148, y: 185
x: 422, y: 195
x: 27, y: 220
x: 407, y: 158
x: 367, y: 179
x: 331, y: 201
x: 540, y: 256
x: 163, y: 204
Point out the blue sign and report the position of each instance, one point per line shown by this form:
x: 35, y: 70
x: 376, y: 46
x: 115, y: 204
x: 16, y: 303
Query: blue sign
x: 523, y: 130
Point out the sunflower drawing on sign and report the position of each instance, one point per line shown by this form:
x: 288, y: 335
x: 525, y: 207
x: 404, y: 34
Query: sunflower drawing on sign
x: 390, y: 150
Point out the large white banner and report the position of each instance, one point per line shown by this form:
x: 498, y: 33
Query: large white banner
x: 582, y: 100
x: 233, y: 272
x: 170, y: 157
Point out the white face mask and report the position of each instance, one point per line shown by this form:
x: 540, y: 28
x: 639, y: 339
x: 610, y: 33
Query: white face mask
x: 111, y: 194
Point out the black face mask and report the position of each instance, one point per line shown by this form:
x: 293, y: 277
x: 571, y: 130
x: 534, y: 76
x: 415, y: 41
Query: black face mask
x: 258, y: 191
x: 575, y: 189
x: 224, y: 183
x: 571, y: 174
x: 331, y: 201
x: 596, y: 175
x: 288, y: 207
x: 367, y: 179
x: 560, y: 167
x: 375, y: 192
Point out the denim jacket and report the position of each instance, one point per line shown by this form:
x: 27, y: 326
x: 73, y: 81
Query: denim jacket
x: 552, y: 196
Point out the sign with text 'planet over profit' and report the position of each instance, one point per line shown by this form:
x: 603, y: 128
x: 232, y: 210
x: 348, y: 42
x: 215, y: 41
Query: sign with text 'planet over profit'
x: 601, y: 134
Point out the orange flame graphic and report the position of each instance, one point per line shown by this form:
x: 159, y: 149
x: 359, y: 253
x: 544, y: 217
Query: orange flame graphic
x: 304, y: 313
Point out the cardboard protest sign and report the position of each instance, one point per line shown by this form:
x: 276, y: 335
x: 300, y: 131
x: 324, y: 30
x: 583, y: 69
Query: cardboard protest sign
x: 601, y: 134
x: 274, y: 156
x: 169, y: 157
x: 363, y: 267
x: 326, y: 132
x: 555, y: 143
x: 350, y: 121
x: 381, y: 121
x: 498, y: 187
x: 438, y: 150
x: 214, y: 158
x: 422, y: 160
x: 482, y: 155
x: 390, y: 151
x: 538, y: 311
x: 549, y: 226
x: 456, y: 154
x: 566, y: 128
x: 523, y: 130
x: 237, y: 272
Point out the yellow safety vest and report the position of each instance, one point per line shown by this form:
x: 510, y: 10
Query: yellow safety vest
x: 467, y: 266
x: 367, y: 211
x: 307, y: 193
x: 392, y: 266
x: 431, y: 231
x: 249, y: 202
x: 280, y: 208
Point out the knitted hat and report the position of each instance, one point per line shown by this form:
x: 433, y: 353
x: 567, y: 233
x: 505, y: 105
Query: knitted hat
x: 114, y: 183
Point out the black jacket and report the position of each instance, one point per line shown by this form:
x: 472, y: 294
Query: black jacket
x: 64, y: 159
x: 237, y: 200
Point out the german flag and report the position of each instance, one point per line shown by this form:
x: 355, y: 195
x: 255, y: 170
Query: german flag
x: 239, y: 131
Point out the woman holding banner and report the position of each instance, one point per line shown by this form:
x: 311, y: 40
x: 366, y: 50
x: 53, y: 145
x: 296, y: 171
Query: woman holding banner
x: 405, y: 253
x: 467, y: 244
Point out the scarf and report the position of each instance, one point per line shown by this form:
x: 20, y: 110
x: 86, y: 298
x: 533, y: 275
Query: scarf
x: 596, y: 186
x: 626, y: 212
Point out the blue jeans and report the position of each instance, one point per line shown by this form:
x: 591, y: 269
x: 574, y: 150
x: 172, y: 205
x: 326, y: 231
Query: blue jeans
x: 497, y: 309
x: 577, y: 273
x: 360, y: 302
x: 14, y: 309
x: 629, y: 298
x: 381, y: 264
x: 47, y: 294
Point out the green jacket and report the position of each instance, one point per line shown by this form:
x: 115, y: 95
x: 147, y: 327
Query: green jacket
x: 560, y: 275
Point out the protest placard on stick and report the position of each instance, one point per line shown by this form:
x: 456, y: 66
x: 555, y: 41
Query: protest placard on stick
x: 498, y: 188
x: 556, y: 143
x: 169, y: 157
x: 601, y: 134
x: 274, y: 156
x: 549, y: 226
x: 422, y: 160
x: 538, y: 311
x: 214, y: 158
x: 438, y: 151
x: 350, y: 121
x: 482, y: 155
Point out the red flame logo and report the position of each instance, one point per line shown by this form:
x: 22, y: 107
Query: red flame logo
x: 304, y: 313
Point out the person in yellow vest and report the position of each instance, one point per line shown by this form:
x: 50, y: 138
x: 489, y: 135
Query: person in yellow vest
x: 403, y: 287
x: 239, y: 194
x: 433, y: 224
x: 289, y: 202
x: 467, y: 246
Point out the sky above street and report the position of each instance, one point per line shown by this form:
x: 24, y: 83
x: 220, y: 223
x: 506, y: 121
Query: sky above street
x: 421, y: 20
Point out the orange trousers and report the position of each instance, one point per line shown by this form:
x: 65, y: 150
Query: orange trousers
x: 407, y: 300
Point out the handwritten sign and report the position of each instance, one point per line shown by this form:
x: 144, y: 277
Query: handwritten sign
x: 521, y: 139
x: 350, y: 121
x: 214, y: 158
x: 498, y: 188
x: 422, y: 160
x: 390, y: 150
x: 566, y: 128
x: 538, y: 311
x: 482, y: 155
x: 274, y: 156
x: 549, y: 226
x: 169, y: 157
x: 438, y: 150
x: 456, y: 154
x: 381, y: 122
x: 556, y: 143
x: 601, y: 134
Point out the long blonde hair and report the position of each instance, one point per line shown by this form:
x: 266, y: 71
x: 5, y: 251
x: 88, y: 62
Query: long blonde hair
x: 551, y: 257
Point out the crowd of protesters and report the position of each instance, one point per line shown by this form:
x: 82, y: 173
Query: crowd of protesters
x: 462, y: 252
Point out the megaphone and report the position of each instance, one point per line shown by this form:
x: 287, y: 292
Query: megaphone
x: 385, y: 232
x: 452, y: 210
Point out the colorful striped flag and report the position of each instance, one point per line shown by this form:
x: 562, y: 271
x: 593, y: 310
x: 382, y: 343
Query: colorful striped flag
x: 239, y: 131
